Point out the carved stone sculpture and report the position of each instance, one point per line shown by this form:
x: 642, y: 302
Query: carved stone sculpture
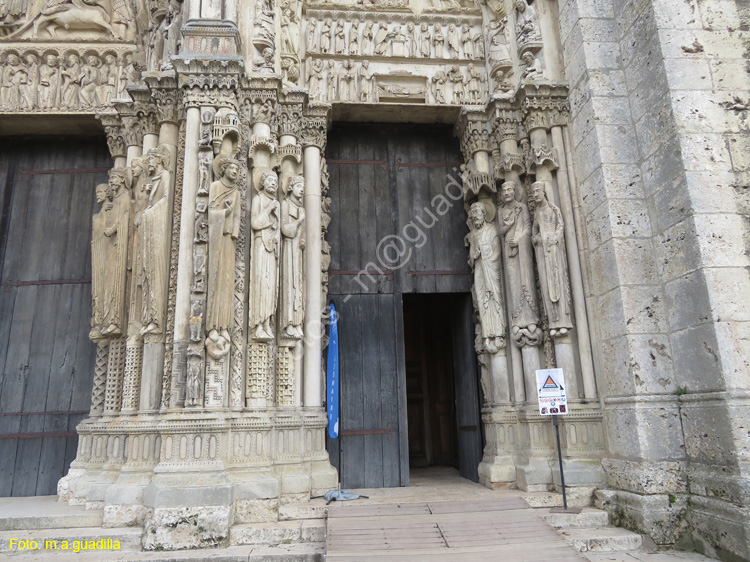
x: 293, y: 245
x: 107, y: 80
x: 456, y: 78
x: 49, y: 82
x: 474, y: 84
x: 382, y: 39
x: 90, y: 81
x: 264, y: 63
x: 515, y: 228
x: 484, y: 258
x: 499, y: 54
x: 224, y: 215
x: 368, y: 38
x: 347, y: 82
x: 533, y: 70
x: 13, y: 77
x: 155, y: 224
x: 331, y: 81
x: 425, y: 40
x: 99, y: 259
x: 354, y: 38
x: 110, y: 256
x: 136, y: 177
x: 264, y: 220
x: 315, y: 79
x: 311, y: 43
x: 411, y: 39
x: 438, y: 86
x: 467, y: 41
x: 438, y: 40
x: 548, y: 237
x: 452, y: 40
x: 367, y: 92
x: 289, y: 33
x: 71, y: 77
x: 527, y: 23
x: 325, y: 36
x: 263, y: 25
x: 339, y: 35
x: 29, y: 91
x: 479, y: 45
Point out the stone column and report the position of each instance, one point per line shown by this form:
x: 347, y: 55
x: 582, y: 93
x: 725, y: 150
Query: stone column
x: 313, y: 139
x: 574, y: 266
x: 187, y: 233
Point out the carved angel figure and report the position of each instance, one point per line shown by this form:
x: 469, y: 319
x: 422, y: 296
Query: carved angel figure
x: 515, y: 228
x: 224, y: 217
x: 548, y: 237
x: 292, y: 271
x: 484, y: 258
x: 264, y: 220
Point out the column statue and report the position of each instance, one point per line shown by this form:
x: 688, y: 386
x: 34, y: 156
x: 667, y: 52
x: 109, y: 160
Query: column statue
x: 264, y: 220
x: 484, y: 258
x: 293, y: 246
x: 224, y: 215
x: 155, y: 225
x: 515, y: 228
x: 548, y: 237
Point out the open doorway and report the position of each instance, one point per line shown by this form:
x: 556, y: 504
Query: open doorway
x: 442, y: 394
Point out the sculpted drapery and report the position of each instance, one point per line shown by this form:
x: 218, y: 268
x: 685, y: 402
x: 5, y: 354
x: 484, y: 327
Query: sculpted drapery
x: 484, y: 257
x: 223, y: 229
x: 264, y: 220
x: 293, y: 245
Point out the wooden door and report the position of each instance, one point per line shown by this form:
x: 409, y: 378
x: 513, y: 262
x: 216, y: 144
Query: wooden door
x: 46, y: 357
x: 388, y: 184
x: 468, y: 415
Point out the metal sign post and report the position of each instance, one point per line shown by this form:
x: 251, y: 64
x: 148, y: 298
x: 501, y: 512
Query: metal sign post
x: 553, y: 401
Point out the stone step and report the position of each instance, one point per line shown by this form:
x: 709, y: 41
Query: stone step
x: 280, y: 532
x: 129, y: 539
x: 313, y: 509
x: 577, y: 497
x: 45, y: 512
x: 588, y: 517
x: 607, y: 539
x: 307, y: 552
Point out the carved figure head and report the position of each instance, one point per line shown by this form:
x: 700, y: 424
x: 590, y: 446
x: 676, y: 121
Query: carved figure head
x: 465, y: 28
x: 269, y: 182
x: 509, y: 191
x: 365, y: 64
x: 297, y: 186
x: 51, y: 60
x: 423, y: 27
x: 32, y: 59
x: 539, y: 191
x: 101, y: 193
x: 355, y: 24
x: 521, y: 5
x: 110, y: 59
x: 471, y: 68
x: 13, y: 59
x: 452, y: 27
x: 73, y: 59
x: 528, y: 58
x: 410, y: 27
x: 157, y: 159
x: 478, y: 213
x: 230, y: 169
x: 116, y: 178
x: 268, y: 54
x: 93, y: 60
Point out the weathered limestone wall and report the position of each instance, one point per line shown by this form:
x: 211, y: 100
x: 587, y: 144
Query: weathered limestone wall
x: 658, y: 117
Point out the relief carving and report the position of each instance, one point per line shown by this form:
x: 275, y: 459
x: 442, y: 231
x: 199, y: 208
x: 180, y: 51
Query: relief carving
x: 527, y: 25
x: 548, y: 237
x: 484, y: 258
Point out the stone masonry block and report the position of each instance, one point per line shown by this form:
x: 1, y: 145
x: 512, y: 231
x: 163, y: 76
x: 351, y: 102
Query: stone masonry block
x: 730, y: 74
x: 646, y: 430
x: 697, y: 364
x: 687, y: 301
x: 733, y: 339
x: 719, y: 240
x: 640, y: 364
x: 688, y: 74
x: 677, y: 15
x: 719, y: 14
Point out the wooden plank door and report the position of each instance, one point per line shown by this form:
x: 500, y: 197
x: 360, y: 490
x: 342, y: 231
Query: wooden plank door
x: 46, y: 357
x: 468, y: 416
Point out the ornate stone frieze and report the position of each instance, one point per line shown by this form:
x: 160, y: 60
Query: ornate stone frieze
x: 63, y: 78
x: 290, y: 119
x: 314, y: 131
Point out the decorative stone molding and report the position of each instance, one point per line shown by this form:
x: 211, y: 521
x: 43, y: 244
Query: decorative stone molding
x: 116, y: 132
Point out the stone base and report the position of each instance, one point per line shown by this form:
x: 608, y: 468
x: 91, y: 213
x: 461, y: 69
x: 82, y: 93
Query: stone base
x: 497, y: 472
x: 189, y: 479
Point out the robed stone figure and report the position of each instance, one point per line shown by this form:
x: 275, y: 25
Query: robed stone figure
x: 110, y: 257
x: 515, y: 228
x: 136, y: 177
x: 264, y: 220
x: 293, y: 246
x: 224, y: 215
x: 548, y: 237
x: 484, y: 258
x: 155, y: 225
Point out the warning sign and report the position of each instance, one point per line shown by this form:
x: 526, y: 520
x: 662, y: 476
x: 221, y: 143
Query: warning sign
x: 550, y: 384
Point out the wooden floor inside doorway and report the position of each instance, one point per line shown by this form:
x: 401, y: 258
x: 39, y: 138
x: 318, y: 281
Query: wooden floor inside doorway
x: 441, y: 518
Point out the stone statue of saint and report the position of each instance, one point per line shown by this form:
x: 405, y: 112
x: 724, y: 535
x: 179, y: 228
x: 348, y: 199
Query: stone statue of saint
x: 527, y: 23
x: 155, y: 225
x: 515, y: 228
x: 484, y: 258
x: 548, y: 237
x: 264, y: 220
x: 224, y: 215
x: 99, y: 259
x: 110, y: 256
x: 293, y: 246
x: 136, y: 177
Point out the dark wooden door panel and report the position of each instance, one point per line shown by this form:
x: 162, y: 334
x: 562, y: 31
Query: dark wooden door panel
x: 46, y: 358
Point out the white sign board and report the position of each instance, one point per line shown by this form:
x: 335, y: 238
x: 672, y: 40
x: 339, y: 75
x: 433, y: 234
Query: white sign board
x: 550, y: 385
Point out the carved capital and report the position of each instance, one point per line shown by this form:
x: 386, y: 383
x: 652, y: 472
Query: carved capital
x: 546, y: 106
x: 543, y: 154
x: 476, y: 182
x: 476, y: 137
x: 114, y: 130
x: 290, y: 119
x: 314, y: 132
x: 167, y: 105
